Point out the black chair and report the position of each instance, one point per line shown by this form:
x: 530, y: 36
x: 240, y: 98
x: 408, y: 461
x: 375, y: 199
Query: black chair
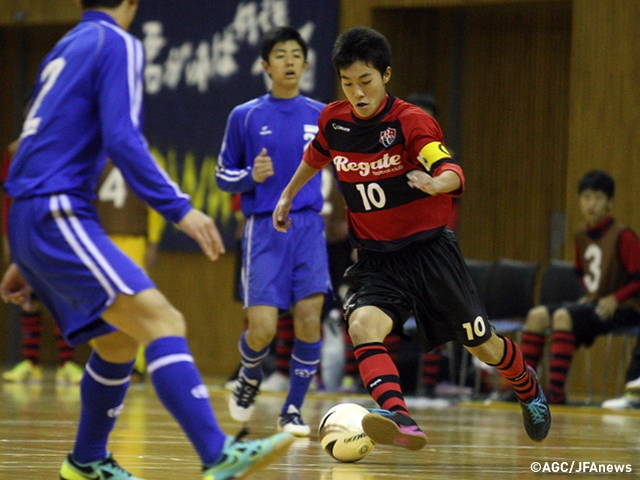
x: 480, y: 271
x: 510, y: 294
x: 560, y: 283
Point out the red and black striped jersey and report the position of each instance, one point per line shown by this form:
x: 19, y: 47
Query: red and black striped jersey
x: 372, y: 157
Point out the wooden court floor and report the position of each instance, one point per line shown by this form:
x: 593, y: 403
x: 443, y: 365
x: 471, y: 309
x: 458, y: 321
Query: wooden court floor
x: 467, y: 440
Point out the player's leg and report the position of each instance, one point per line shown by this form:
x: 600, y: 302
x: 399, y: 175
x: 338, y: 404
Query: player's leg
x: 68, y: 371
x: 537, y: 324
x: 31, y: 339
x: 392, y: 423
x: 504, y: 354
x: 153, y: 321
x: 562, y: 348
x: 305, y: 358
x: 102, y: 391
x: 254, y: 346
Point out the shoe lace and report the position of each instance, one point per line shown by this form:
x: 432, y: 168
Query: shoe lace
x: 245, y: 393
x: 538, y: 411
x: 291, y: 418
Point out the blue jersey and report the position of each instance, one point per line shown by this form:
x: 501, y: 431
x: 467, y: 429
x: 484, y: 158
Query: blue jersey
x: 86, y: 106
x: 284, y: 127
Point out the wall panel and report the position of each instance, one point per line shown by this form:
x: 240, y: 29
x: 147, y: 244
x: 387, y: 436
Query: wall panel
x: 515, y: 92
x: 604, y: 122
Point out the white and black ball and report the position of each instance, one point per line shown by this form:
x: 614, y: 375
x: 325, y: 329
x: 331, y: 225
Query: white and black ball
x: 341, y: 433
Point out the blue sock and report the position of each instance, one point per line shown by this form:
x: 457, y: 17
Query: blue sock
x: 179, y: 386
x: 251, y: 360
x: 303, y: 366
x: 102, y: 391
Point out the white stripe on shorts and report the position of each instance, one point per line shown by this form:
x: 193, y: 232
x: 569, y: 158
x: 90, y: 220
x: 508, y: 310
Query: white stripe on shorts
x: 246, y: 267
x: 70, y: 225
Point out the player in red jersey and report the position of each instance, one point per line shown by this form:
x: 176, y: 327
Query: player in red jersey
x: 398, y: 180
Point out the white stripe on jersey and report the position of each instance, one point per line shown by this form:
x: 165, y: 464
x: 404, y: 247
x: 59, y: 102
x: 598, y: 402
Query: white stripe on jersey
x: 246, y: 267
x: 232, y: 175
x: 130, y: 44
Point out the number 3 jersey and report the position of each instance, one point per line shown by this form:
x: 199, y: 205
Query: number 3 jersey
x: 86, y: 105
x: 608, y: 261
x: 371, y: 158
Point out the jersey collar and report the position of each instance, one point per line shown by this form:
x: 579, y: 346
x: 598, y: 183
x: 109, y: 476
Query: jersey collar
x: 375, y: 119
x: 97, y: 16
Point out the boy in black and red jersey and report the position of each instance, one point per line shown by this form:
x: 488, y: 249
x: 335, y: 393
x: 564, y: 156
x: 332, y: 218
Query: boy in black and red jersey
x: 607, y: 259
x: 398, y: 180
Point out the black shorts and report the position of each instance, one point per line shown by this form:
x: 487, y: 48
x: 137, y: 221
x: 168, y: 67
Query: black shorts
x: 428, y: 280
x: 587, y: 325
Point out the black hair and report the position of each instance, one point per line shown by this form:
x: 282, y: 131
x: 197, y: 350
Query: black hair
x: 361, y: 44
x: 279, y: 35
x: 424, y: 100
x: 100, y: 3
x: 598, y: 180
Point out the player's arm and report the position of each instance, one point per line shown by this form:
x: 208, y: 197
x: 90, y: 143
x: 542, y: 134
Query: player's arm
x: 120, y: 99
x: 232, y: 173
x: 629, y: 254
x: 441, y: 175
x: 304, y: 173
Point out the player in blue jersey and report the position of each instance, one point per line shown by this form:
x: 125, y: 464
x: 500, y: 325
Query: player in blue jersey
x: 86, y: 105
x: 262, y: 147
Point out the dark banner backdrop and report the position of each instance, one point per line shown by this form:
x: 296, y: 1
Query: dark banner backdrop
x: 202, y: 59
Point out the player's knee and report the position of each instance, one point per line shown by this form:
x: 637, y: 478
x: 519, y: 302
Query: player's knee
x: 174, y: 323
x: 562, y: 320
x: 362, y: 331
x: 537, y: 320
x: 116, y: 347
x: 261, y: 334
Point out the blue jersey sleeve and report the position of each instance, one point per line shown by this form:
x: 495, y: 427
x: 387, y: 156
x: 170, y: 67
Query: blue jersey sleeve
x: 119, y: 78
x: 233, y: 173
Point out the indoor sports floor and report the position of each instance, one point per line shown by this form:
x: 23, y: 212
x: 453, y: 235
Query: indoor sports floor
x: 467, y: 440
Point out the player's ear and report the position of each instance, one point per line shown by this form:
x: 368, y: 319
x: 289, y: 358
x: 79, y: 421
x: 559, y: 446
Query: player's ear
x: 266, y: 67
x: 386, y: 75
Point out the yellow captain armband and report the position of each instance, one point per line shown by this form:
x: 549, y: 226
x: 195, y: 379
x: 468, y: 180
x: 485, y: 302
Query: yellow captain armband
x: 431, y: 153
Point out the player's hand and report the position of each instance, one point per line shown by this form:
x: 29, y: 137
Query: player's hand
x: 203, y: 230
x: 281, y: 222
x: 423, y: 181
x: 606, y: 307
x: 14, y: 289
x: 262, y: 167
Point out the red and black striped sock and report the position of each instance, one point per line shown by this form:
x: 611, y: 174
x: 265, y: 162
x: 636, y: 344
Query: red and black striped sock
x: 431, y: 366
x: 380, y: 376
x: 285, y: 336
x: 31, y: 327
x: 563, y: 346
x: 350, y: 366
x: 392, y: 343
x: 513, y: 368
x: 65, y: 351
x: 532, y: 346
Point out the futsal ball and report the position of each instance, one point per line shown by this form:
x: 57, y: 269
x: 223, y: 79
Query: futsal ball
x: 341, y: 433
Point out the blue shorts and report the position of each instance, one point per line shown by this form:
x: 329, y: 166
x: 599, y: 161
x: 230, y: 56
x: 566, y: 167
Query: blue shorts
x: 73, y: 267
x: 280, y: 269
